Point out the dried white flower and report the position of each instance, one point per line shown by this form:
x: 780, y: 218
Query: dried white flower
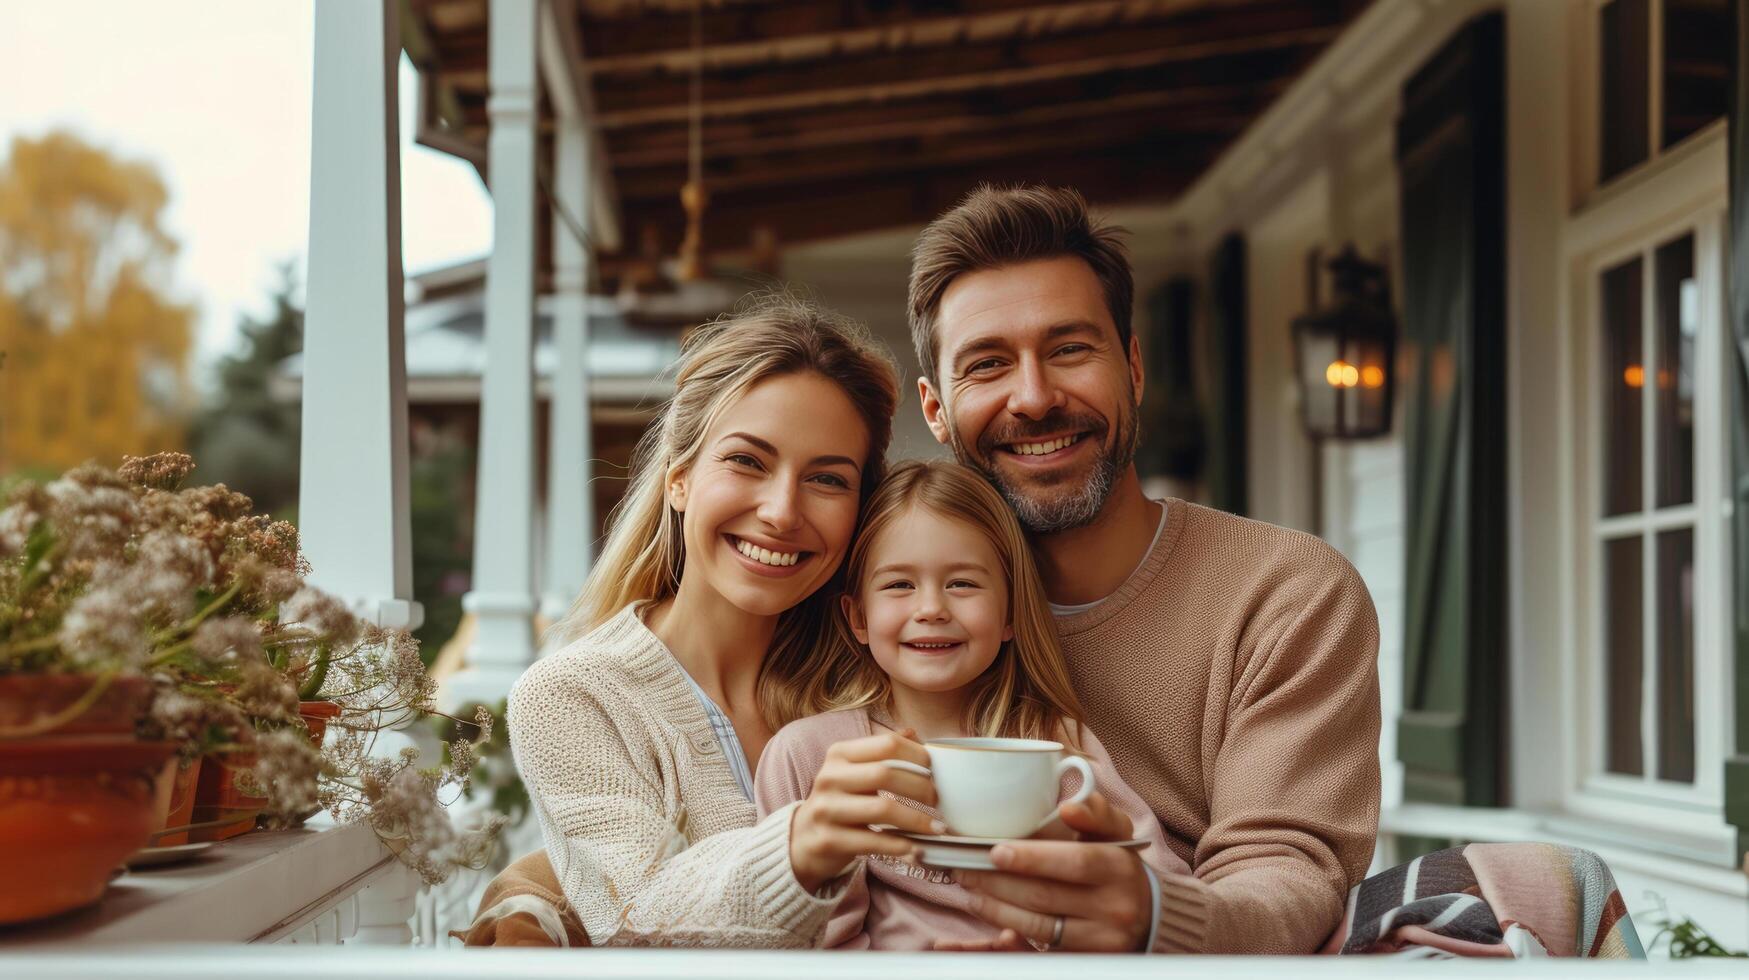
x: 231, y: 639
x: 286, y: 767
x: 324, y: 614
x: 16, y: 522
x: 104, y: 623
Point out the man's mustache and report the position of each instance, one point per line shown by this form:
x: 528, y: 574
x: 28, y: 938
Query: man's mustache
x: 1050, y: 425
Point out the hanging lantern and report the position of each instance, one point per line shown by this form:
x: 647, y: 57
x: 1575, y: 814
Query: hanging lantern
x: 1346, y: 354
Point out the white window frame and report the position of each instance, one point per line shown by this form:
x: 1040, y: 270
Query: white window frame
x: 1586, y: 126
x: 1682, y: 191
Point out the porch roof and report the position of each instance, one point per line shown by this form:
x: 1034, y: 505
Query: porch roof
x: 446, y: 346
x: 826, y: 117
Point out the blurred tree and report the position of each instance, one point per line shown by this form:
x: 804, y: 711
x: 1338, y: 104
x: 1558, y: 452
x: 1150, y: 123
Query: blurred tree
x: 95, y: 350
x: 244, y: 437
x: 442, y: 545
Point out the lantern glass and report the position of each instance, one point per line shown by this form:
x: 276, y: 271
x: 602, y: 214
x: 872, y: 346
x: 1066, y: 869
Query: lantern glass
x: 1344, y: 353
x: 1320, y: 356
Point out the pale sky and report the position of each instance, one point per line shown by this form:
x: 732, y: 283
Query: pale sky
x: 216, y: 94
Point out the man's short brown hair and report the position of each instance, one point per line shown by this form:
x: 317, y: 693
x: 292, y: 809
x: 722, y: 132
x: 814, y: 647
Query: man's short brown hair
x: 999, y: 226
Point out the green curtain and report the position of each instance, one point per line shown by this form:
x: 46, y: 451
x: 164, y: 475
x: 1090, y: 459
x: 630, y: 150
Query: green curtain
x: 1225, y: 415
x: 1173, y: 444
x: 1737, y: 766
x: 1450, y: 153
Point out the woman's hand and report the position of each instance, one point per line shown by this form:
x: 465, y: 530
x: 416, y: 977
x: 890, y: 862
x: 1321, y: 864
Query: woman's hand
x: 830, y: 828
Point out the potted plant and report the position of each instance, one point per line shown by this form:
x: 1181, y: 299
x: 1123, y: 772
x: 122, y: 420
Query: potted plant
x: 142, y: 624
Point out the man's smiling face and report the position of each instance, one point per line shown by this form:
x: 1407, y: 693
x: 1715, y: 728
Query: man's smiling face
x: 1034, y: 388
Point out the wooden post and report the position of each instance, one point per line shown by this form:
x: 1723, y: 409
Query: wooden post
x: 502, y: 600
x: 353, y: 479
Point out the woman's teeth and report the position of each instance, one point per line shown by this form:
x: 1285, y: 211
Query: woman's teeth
x: 1041, y: 448
x: 764, y: 557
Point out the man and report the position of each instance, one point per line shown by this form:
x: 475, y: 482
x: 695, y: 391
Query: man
x: 1229, y: 665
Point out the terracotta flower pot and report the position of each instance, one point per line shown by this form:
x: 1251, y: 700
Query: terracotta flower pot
x: 316, y: 715
x: 28, y: 698
x: 71, y: 808
x: 221, y: 810
x: 175, y: 801
x: 221, y: 805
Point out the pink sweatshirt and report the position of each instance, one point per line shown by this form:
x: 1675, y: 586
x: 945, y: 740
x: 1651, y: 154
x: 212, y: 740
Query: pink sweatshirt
x: 892, y: 905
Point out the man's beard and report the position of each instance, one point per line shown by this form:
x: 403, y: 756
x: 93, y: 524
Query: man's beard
x: 1080, y: 506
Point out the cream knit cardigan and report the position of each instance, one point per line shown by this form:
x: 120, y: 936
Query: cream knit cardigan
x: 647, y: 831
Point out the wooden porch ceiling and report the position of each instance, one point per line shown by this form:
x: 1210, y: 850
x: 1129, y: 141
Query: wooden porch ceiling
x: 829, y: 117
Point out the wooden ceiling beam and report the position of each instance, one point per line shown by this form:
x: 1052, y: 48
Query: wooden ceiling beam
x: 893, y: 29
x: 837, y: 208
x: 1232, y: 28
x: 851, y: 84
x: 912, y: 156
x: 643, y: 33
x: 1220, y: 108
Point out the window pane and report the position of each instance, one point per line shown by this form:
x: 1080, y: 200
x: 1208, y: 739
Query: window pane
x: 1625, y: 76
x: 1674, y: 334
x: 1697, y: 65
x: 1622, y: 641
x: 1623, y: 382
x: 1675, y: 632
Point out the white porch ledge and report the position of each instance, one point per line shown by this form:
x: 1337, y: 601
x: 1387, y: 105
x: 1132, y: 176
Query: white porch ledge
x: 225, y: 963
x: 309, y: 885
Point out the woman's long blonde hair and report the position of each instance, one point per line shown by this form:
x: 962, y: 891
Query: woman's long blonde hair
x: 1025, y: 692
x: 644, y: 555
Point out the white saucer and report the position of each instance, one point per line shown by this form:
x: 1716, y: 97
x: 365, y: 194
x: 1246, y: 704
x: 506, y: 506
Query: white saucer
x: 973, y: 853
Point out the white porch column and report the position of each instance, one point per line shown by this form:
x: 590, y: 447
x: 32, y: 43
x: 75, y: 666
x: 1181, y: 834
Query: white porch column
x: 502, y: 600
x: 570, y: 503
x: 352, y: 485
x: 1539, y: 519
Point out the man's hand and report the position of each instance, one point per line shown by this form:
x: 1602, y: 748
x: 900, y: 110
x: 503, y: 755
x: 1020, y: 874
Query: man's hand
x: 1100, y: 891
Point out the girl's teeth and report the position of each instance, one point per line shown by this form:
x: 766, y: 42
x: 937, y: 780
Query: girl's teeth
x: 766, y: 557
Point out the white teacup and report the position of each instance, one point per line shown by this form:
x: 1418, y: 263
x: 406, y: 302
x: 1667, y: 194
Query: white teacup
x: 1001, y: 787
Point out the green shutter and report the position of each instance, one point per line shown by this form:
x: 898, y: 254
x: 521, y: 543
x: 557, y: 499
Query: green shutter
x: 1737, y: 766
x: 1451, y: 158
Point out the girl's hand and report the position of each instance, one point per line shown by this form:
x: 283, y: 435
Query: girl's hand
x: 1007, y: 941
x: 830, y: 829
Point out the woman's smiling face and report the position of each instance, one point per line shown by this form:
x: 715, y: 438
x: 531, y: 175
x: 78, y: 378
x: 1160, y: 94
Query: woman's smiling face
x: 769, y: 504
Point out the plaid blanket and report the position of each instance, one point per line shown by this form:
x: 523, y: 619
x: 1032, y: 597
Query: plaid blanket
x: 1512, y: 900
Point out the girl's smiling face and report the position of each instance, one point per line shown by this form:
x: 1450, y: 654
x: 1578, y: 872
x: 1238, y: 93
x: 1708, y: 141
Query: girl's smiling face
x: 769, y: 506
x: 933, y: 602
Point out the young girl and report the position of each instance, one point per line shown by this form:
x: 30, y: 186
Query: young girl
x: 946, y: 632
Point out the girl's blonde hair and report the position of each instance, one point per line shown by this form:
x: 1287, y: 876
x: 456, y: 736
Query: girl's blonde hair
x: 1025, y: 692
x: 770, y: 336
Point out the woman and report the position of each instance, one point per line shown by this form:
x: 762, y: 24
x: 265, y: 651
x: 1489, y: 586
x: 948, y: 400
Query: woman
x: 690, y: 645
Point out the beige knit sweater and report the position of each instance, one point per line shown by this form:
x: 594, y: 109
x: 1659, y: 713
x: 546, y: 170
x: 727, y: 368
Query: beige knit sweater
x: 648, y: 834
x: 1234, y: 680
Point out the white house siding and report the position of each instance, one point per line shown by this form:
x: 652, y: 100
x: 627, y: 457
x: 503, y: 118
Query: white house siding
x: 1319, y: 169
x: 864, y: 277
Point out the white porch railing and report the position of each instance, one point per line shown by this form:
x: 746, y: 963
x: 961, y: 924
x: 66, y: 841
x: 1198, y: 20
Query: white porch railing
x: 450, y: 906
x: 226, y: 963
